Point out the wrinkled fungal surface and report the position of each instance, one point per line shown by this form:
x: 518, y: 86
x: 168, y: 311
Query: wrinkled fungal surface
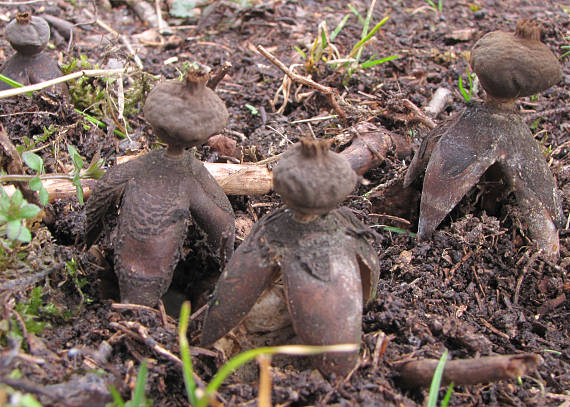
x: 515, y: 65
x: 185, y: 113
x: 329, y: 270
x: 328, y: 266
x: 29, y: 36
x: 312, y: 179
x: 159, y: 192
x: 458, y: 153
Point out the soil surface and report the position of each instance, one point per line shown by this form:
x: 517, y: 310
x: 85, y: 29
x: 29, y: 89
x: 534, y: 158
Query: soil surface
x: 477, y: 288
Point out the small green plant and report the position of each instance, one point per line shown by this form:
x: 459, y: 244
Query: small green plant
x: 467, y: 93
x: 435, y: 383
x: 30, y: 313
x: 437, y: 8
x: 324, y: 50
x: 252, y: 109
x: 72, y: 269
x: 564, y: 48
x: 84, y: 94
x: 36, y: 163
x: 202, y: 397
x: 14, y: 212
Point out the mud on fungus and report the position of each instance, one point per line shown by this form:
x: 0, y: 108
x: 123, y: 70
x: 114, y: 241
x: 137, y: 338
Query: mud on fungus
x: 328, y: 266
x: 492, y: 136
x: 161, y: 190
x: 29, y: 35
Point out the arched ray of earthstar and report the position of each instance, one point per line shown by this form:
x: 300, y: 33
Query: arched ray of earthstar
x: 328, y: 266
x: 457, y: 153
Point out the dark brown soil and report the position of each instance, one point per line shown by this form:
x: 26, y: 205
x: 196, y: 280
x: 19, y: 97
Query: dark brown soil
x: 478, y: 287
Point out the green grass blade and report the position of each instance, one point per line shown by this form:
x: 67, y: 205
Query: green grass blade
x: 374, y: 62
x: 99, y: 123
x: 339, y: 27
x: 138, y: 396
x: 237, y: 361
x: 363, y: 41
x: 440, y: 6
x: 465, y: 94
x: 187, y: 370
x: 436, y: 381
x: 447, y: 397
x: 356, y: 13
x: 13, y: 83
x: 301, y: 52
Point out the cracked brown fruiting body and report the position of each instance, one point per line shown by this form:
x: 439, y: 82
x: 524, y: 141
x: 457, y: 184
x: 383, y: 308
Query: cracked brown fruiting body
x: 459, y: 152
x: 29, y: 35
x: 158, y: 193
x: 328, y: 266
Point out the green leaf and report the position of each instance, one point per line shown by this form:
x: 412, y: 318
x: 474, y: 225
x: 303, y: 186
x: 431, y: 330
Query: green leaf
x: 447, y: 397
x: 374, y: 62
x: 36, y: 184
x: 436, y: 381
x: 138, y: 395
x: 17, y: 198
x: 15, y: 230
x: 339, y: 27
x: 301, y: 52
x: 29, y: 211
x: 75, y: 157
x: 44, y: 196
x: 466, y: 95
x: 367, y: 37
x: 117, y: 399
x: 187, y: 369
x: 324, y: 36
x: 78, y: 188
x: 34, y: 161
x: 252, y: 109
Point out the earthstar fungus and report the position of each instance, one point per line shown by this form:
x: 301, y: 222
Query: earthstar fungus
x: 492, y: 135
x: 328, y: 266
x: 29, y: 35
x: 161, y: 190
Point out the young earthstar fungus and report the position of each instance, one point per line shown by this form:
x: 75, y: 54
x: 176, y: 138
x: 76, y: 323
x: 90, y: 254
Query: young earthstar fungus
x: 328, y: 267
x: 162, y: 189
x: 490, y: 135
x: 29, y: 35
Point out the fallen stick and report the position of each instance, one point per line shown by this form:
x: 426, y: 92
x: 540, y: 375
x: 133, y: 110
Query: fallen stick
x: 235, y: 179
x: 367, y: 150
x: 439, y: 101
x: 371, y: 145
x: 417, y: 373
x: 326, y: 90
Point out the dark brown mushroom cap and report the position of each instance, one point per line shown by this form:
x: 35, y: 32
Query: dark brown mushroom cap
x: 311, y: 179
x: 514, y: 65
x: 185, y: 113
x: 28, y: 34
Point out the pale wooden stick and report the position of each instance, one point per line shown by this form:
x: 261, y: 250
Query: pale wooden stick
x: 46, y: 84
x: 235, y: 179
x: 440, y: 99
